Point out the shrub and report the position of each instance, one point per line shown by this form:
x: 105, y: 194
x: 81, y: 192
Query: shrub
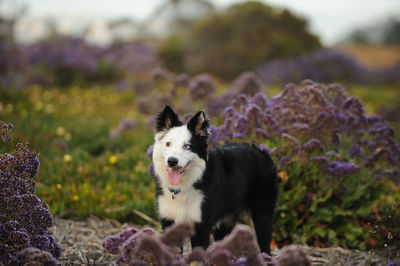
x: 171, y: 52
x: 243, y: 37
x: 66, y: 62
x: 24, y: 218
x: 336, y: 162
x: 325, y: 65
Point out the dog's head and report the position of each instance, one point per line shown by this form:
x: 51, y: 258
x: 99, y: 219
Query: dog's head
x: 180, y: 150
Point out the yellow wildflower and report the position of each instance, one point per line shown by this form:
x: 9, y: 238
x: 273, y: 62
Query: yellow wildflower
x: 67, y: 158
x: 60, y: 131
x: 112, y: 159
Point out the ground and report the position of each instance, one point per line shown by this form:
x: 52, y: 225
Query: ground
x: 82, y: 245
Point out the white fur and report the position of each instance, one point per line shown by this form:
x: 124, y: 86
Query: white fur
x: 187, y: 204
x: 185, y: 207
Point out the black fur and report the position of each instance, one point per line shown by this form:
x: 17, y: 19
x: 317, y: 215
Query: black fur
x: 238, y: 178
x: 167, y: 115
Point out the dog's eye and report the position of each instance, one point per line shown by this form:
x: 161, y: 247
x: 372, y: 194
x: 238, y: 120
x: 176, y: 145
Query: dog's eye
x: 168, y: 144
x: 187, y: 146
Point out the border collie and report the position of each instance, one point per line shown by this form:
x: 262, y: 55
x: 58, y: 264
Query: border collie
x: 211, y: 188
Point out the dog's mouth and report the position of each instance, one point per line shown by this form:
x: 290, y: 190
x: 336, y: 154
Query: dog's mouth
x: 175, y: 173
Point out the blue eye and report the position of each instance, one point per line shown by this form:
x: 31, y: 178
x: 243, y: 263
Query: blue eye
x: 187, y: 146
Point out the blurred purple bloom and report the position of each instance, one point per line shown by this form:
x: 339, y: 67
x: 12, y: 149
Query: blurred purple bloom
x: 283, y: 162
x: 266, y: 149
x: 202, y: 86
x: 158, y: 74
x: 321, y: 160
x: 381, y: 155
x: 313, y: 145
x: 149, y: 152
x: 262, y: 134
x: 181, y: 80
x: 260, y: 100
x: 355, y: 151
x: 340, y: 169
x: 247, y: 83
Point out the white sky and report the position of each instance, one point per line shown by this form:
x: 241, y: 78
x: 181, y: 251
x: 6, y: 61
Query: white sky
x: 331, y: 20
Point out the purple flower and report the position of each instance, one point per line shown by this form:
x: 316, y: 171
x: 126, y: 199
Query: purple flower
x: 340, y: 169
x: 202, y: 86
x: 284, y: 161
x: 149, y: 152
x: 181, y: 80
x: 313, y: 145
x: 262, y: 134
x: 266, y: 149
x: 321, y: 160
x: 260, y: 100
x: 158, y: 74
x: 381, y: 155
x: 247, y: 83
x: 355, y: 151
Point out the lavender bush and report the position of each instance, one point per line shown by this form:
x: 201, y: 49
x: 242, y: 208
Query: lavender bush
x: 147, y: 247
x: 24, y: 218
x: 335, y: 160
x: 326, y: 65
x: 66, y: 62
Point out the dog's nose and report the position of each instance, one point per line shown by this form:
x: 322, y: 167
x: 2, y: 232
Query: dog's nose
x: 172, y: 161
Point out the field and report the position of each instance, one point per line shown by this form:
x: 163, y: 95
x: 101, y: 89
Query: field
x: 83, y: 170
x: 337, y: 162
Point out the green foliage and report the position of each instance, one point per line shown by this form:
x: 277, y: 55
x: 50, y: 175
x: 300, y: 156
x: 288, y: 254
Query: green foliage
x: 239, y: 39
x: 316, y: 209
x: 171, y: 52
x: 83, y: 172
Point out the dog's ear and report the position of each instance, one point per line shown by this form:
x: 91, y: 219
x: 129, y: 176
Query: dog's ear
x: 167, y: 119
x: 200, y: 124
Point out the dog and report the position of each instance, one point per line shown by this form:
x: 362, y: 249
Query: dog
x: 211, y: 188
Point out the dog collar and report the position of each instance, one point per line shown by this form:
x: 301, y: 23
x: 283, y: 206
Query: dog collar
x: 174, y: 192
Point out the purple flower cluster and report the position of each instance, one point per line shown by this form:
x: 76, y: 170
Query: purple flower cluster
x: 311, y: 120
x: 202, y: 86
x: 147, y: 247
x: 126, y: 124
x: 327, y: 65
x: 24, y: 218
x: 63, y: 62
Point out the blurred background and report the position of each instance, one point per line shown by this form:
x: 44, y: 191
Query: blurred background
x: 82, y: 80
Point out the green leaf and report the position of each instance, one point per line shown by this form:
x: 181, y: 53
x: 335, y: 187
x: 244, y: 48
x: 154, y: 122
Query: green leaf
x: 320, y: 200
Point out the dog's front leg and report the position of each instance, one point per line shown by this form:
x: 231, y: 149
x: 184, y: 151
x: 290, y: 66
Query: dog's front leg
x: 201, y: 236
x: 166, y: 223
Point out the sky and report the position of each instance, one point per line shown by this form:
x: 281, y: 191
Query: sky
x: 331, y: 20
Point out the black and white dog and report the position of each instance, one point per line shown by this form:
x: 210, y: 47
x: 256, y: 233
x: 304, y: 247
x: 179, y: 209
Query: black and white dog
x: 210, y: 188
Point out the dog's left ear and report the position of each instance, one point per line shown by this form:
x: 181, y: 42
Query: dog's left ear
x: 199, y: 124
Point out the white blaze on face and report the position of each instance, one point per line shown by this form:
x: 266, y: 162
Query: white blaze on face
x: 173, y: 143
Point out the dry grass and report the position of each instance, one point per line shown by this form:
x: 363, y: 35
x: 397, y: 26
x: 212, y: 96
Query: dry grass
x: 373, y: 56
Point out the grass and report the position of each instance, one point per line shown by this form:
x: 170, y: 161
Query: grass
x: 373, y: 56
x: 82, y: 171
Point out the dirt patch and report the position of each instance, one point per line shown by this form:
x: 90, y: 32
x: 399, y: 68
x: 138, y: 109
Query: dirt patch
x: 82, y: 245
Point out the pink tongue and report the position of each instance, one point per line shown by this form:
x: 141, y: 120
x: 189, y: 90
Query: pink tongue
x: 173, y: 176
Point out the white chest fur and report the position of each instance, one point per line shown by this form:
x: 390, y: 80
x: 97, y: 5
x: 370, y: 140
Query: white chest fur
x: 185, y: 207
